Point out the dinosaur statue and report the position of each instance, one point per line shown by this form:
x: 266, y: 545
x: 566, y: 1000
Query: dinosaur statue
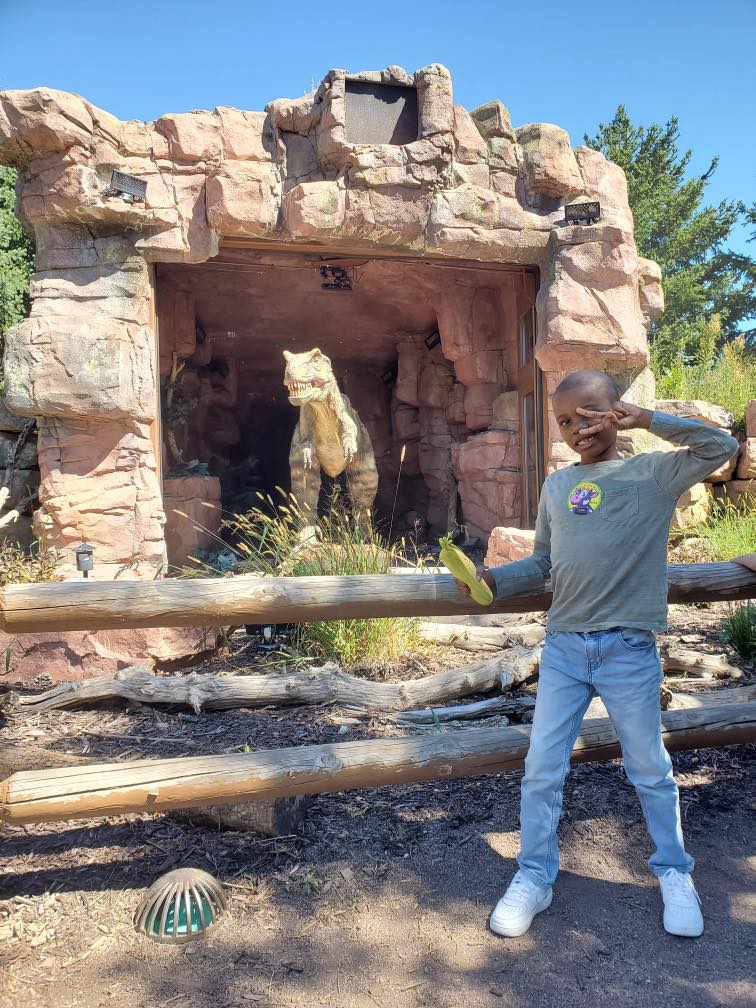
x: 329, y: 437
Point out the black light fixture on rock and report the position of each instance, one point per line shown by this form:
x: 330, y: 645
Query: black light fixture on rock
x: 335, y: 278
x: 582, y: 213
x: 433, y: 340
x: 128, y: 187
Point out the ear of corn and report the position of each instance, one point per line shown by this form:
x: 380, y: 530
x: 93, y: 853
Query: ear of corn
x: 463, y: 569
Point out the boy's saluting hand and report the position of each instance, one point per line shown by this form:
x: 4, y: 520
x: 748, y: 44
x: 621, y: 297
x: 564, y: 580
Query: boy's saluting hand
x: 622, y: 416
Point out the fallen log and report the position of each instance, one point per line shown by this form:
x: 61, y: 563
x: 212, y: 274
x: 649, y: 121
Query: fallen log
x: 244, y: 599
x: 461, y: 712
x: 162, y: 785
x: 481, y: 638
x: 327, y: 684
x: 698, y: 664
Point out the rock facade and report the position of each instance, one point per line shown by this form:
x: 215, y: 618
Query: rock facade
x: 469, y: 186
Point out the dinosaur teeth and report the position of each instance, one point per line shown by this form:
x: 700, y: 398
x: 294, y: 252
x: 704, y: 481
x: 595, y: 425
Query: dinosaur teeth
x: 300, y: 388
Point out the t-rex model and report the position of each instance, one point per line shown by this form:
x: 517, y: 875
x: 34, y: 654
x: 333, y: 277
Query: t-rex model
x: 329, y: 436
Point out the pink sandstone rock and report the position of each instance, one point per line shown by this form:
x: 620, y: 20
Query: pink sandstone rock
x: 409, y: 356
x: 243, y: 198
x: 192, y: 136
x: 750, y: 421
x: 747, y: 463
x: 89, y: 366
x: 487, y: 470
x: 455, y: 406
x: 42, y: 121
x: 741, y: 492
x: 435, y: 382
x: 508, y: 544
x: 650, y: 290
x: 193, y: 516
x: 692, y: 507
x: 478, y: 403
x: 84, y: 654
x: 548, y: 160
x: 492, y: 120
x: 697, y: 409
x: 470, y: 147
x: 506, y: 411
x: 606, y: 182
x: 314, y: 208
x: 243, y: 135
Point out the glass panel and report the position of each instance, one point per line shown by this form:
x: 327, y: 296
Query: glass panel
x: 527, y: 338
x: 529, y: 467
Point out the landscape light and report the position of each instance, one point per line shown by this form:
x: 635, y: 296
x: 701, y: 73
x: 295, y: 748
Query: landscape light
x: 128, y: 187
x: 582, y: 213
x: 336, y: 278
x: 433, y: 340
x: 389, y: 375
x: 84, y: 558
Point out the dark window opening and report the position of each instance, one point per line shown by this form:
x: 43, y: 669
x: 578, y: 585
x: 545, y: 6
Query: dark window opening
x: 380, y: 113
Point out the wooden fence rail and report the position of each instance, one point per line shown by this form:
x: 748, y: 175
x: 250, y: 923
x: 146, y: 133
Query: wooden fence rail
x: 83, y: 792
x: 109, y: 605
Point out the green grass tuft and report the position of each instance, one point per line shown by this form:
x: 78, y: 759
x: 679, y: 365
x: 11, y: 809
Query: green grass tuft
x: 728, y: 532
x: 268, y: 540
x: 739, y: 629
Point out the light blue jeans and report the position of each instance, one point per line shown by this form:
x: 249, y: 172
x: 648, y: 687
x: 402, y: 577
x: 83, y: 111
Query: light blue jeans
x: 622, y: 666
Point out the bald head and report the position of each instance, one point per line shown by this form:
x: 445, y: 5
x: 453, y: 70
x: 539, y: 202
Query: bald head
x: 598, y: 381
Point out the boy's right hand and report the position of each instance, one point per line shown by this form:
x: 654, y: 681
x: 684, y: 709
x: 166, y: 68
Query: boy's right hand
x: 484, y: 574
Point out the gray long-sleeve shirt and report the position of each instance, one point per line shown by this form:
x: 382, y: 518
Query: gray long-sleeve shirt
x: 602, y: 531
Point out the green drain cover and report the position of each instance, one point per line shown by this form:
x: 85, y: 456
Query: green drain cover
x: 180, y: 906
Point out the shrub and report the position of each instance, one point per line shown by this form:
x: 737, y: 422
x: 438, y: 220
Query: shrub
x: 269, y: 540
x: 739, y: 629
x: 728, y: 379
x: 19, y: 567
x: 728, y: 532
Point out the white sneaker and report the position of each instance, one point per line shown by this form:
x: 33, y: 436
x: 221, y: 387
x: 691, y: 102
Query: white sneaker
x: 514, y: 913
x: 682, y: 910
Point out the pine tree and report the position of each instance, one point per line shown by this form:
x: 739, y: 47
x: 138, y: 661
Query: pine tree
x: 702, y: 278
x: 16, y: 256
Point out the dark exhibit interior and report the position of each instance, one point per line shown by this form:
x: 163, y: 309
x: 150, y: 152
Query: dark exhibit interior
x: 223, y: 327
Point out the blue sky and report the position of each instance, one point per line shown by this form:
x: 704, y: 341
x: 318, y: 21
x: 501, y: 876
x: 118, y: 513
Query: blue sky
x: 569, y: 62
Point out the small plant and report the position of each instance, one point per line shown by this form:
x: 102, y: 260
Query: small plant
x: 281, y: 540
x: 728, y: 532
x: 19, y: 567
x: 739, y: 629
x: 727, y: 379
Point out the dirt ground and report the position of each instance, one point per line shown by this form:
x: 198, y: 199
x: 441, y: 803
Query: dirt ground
x: 382, y: 897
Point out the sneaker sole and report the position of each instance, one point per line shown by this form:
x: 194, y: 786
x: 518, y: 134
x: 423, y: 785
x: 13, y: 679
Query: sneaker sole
x: 685, y: 934
x: 515, y: 932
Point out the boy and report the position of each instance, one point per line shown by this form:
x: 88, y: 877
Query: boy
x: 601, y: 537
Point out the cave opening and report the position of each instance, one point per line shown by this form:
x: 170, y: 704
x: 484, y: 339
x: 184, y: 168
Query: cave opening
x: 435, y: 356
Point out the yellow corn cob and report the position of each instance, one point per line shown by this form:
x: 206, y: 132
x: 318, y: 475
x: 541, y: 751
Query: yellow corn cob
x: 463, y: 569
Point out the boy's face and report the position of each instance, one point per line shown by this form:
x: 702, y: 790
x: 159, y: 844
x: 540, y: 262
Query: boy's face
x: 597, y: 447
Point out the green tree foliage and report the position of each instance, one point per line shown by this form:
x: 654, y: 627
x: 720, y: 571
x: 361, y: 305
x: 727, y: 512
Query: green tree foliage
x: 702, y: 278
x: 16, y: 256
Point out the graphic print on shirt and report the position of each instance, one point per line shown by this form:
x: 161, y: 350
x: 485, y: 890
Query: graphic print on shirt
x: 584, y: 498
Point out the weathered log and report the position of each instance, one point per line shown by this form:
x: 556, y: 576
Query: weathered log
x: 481, y: 638
x: 697, y: 663
x: 327, y: 684
x: 460, y: 712
x: 108, y: 605
x: 161, y: 785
